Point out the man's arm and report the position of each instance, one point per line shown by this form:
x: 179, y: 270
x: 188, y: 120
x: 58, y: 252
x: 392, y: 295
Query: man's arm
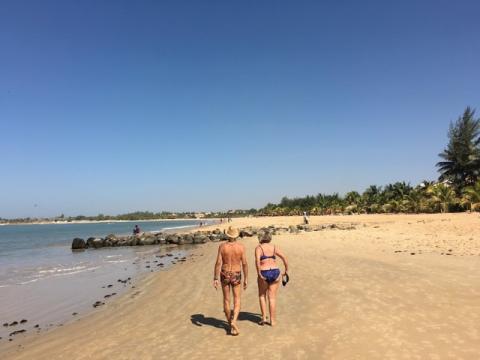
x: 245, y: 268
x: 217, y: 268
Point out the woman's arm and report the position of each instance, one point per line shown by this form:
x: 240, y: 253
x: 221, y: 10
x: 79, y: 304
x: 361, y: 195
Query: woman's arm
x: 257, y: 262
x: 282, y: 256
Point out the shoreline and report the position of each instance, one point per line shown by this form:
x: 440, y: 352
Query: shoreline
x: 384, y: 288
x: 142, y: 262
x: 102, y: 221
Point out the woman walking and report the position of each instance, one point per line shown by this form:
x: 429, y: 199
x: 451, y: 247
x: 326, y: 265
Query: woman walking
x: 268, y: 276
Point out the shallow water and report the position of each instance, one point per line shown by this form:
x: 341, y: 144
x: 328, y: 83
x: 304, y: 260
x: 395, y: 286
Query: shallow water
x: 43, y: 281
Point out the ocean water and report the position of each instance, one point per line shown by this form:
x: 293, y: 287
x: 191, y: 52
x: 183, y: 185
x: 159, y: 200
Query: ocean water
x: 43, y: 281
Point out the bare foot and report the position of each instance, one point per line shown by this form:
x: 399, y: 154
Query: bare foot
x: 234, y: 329
x: 273, y: 323
x: 262, y: 322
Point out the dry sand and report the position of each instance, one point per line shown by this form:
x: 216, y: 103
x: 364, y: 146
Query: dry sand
x: 354, y: 294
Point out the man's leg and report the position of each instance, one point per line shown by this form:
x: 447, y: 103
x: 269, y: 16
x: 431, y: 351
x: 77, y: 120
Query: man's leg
x: 226, y: 302
x: 237, y: 291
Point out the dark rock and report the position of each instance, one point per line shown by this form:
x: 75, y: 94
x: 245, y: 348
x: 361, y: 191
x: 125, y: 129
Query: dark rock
x: 23, y: 321
x: 90, y: 242
x: 187, y: 239
x: 292, y: 229
x: 246, y: 233
x: 98, y: 303
x: 5, y: 324
x: 14, y: 323
x: 78, y: 244
x: 17, y: 332
x: 199, y: 239
x: 172, y: 239
x: 37, y: 326
x: 122, y: 242
x: 97, y: 243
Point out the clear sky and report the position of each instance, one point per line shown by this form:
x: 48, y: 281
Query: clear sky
x: 116, y: 106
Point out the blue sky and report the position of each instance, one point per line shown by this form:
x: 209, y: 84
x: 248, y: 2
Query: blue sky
x: 116, y: 106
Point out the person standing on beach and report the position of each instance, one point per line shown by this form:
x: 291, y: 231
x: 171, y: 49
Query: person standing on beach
x: 136, y: 230
x: 231, y: 261
x: 305, y: 218
x: 269, y: 276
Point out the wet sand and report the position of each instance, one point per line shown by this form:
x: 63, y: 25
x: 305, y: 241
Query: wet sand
x: 395, y: 287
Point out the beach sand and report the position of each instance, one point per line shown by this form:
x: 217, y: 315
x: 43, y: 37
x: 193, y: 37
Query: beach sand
x: 385, y: 290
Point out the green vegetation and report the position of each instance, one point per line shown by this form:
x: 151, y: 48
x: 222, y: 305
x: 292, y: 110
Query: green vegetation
x: 457, y: 189
x: 461, y: 158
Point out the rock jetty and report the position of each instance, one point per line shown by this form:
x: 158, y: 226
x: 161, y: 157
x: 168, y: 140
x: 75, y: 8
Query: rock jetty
x: 198, y: 237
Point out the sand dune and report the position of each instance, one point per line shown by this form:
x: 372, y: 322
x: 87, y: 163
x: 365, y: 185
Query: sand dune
x: 385, y: 290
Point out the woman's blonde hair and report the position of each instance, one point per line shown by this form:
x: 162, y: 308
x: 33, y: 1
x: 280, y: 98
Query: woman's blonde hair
x: 265, y: 237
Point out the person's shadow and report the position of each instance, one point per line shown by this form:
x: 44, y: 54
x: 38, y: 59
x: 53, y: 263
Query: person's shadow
x: 201, y: 320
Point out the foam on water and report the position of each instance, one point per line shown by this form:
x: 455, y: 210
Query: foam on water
x: 43, y: 281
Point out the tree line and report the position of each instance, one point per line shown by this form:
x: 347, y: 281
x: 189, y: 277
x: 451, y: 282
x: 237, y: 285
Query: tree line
x: 457, y: 188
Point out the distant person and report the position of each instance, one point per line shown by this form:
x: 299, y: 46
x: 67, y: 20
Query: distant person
x: 231, y: 260
x: 269, y: 276
x: 136, y: 230
x: 306, y: 220
x: 229, y: 219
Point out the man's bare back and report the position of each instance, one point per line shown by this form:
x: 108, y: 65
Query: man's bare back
x: 232, y: 254
x: 231, y: 261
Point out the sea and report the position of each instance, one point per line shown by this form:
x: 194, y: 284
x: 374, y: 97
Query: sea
x: 45, y: 283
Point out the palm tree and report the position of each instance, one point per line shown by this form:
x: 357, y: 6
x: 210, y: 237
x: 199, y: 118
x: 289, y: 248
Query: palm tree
x: 352, y: 198
x: 461, y: 157
x: 443, y: 195
x: 471, y: 196
x: 413, y: 201
x: 371, y: 199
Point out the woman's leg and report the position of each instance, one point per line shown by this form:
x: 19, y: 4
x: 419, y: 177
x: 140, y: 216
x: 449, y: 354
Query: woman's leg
x: 272, y: 300
x: 262, y: 297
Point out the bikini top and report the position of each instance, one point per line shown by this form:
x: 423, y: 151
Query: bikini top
x: 264, y: 257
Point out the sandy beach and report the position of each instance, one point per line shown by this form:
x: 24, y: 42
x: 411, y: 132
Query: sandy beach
x: 395, y: 287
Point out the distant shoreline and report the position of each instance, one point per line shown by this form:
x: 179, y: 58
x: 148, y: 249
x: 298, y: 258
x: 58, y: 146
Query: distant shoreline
x: 98, y: 221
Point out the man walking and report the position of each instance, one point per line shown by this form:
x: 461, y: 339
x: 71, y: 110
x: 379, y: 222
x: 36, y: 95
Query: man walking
x: 231, y: 260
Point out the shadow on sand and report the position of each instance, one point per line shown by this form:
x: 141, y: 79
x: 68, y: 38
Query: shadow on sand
x: 201, y: 320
